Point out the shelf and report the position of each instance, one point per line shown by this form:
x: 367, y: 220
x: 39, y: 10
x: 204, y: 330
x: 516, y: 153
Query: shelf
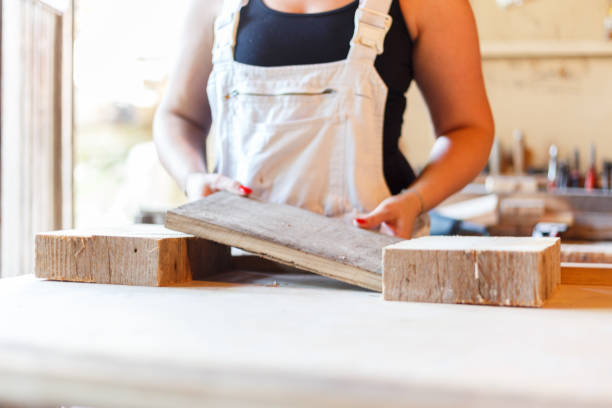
x: 546, y: 49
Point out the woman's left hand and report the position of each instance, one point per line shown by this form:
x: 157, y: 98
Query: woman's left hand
x: 395, y: 215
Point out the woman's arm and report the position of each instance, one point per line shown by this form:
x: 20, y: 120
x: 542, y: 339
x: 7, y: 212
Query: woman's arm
x: 448, y: 71
x: 183, y: 118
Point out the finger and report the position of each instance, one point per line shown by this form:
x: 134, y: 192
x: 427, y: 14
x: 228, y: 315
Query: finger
x: 206, y: 191
x: 245, y: 191
x: 228, y: 184
x: 404, y: 230
x: 388, y: 229
x: 195, y: 187
x: 375, y: 218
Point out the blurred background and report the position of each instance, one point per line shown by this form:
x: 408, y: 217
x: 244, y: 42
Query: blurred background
x: 122, y: 55
x: 546, y: 63
x: 81, y: 80
x: 548, y: 70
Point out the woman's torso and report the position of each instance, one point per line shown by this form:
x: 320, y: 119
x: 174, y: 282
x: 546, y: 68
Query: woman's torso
x: 267, y: 37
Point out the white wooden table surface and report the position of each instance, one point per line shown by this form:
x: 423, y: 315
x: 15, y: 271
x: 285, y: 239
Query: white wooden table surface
x: 305, y: 342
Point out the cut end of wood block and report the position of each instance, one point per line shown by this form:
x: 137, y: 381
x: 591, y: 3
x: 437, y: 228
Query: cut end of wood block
x: 503, y: 271
x: 451, y: 243
x: 151, y: 231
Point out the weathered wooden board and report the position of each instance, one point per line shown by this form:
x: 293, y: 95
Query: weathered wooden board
x: 37, y: 166
x: 309, y: 241
x: 474, y: 270
x: 144, y: 255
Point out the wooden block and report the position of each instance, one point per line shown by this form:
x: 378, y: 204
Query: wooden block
x: 511, y: 184
x: 521, y: 211
x: 592, y: 252
x: 476, y: 270
x: 289, y: 235
x: 591, y: 226
x: 144, y: 255
x: 592, y: 274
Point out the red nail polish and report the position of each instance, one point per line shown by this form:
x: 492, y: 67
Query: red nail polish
x: 360, y: 221
x: 245, y: 190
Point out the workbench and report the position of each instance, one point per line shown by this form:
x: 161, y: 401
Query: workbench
x: 274, y: 338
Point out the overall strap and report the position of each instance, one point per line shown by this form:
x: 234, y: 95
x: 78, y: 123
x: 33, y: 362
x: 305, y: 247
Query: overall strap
x: 372, y: 23
x: 226, y: 28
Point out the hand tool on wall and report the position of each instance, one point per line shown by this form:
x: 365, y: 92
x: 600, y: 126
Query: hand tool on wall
x: 495, y: 159
x: 606, y: 180
x: 608, y: 23
x: 518, y: 152
x: 590, y: 181
x: 552, y: 166
x: 509, y: 3
x: 575, y: 173
x: 563, y: 175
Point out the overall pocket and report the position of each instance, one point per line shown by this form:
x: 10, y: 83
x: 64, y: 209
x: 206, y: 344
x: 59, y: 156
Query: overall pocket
x: 283, y: 105
x: 299, y: 162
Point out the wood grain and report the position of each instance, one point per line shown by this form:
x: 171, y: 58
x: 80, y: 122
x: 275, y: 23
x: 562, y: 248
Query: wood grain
x: 290, y: 235
x: 37, y: 157
x: 587, y: 252
x: 592, y: 274
x: 595, y: 226
x: 474, y: 270
x: 143, y: 255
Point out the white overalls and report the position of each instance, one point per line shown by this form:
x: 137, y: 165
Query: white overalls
x: 309, y: 135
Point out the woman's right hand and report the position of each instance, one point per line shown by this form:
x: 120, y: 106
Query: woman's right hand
x: 200, y: 185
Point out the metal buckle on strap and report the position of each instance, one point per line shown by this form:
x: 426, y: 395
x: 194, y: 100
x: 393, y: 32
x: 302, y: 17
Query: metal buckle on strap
x: 371, y: 28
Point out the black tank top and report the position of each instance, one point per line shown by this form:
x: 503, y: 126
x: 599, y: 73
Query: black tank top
x: 270, y: 38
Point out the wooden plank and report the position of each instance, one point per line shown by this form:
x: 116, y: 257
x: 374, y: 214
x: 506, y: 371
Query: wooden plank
x: 481, y: 210
x: 591, y: 252
x: 570, y: 199
x: 538, y: 23
x: 28, y: 122
x: 11, y: 125
x: 143, y: 255
x: 475, y: 270
x: 56, y: 79
x: 37, y: 158
x: 545, y: 49
x: 596, y: 226
x: 290, y: 235
x: 592, y: 274
x: 1, y: 122
x: 65, y: 112
x: 521, y: 211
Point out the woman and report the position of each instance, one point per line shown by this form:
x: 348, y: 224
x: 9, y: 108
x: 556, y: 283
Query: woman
x: 307, y: 99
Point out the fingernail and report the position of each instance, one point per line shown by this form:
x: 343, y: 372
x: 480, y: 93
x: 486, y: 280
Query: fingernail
x: 360, y: 221
x: 245, y: 190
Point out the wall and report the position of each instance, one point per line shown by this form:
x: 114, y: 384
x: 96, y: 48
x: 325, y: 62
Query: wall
x: 548, y: 71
